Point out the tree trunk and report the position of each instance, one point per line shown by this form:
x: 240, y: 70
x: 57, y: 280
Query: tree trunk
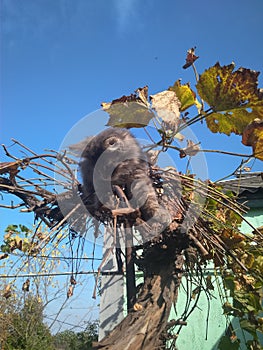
x: 145, y: 326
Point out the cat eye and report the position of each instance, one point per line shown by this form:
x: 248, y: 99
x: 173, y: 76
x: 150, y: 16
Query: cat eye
x: 112, y: 141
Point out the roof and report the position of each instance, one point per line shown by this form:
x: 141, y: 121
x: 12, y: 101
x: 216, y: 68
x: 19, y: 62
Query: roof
x: 248, y: 187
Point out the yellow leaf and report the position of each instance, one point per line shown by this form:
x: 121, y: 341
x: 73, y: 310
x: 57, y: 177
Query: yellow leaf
x: 185, y: 94
x: 137, y: 307
x: 233, y: 95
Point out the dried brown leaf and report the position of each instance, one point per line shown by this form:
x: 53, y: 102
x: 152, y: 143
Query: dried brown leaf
x: 70, y: 291
x: 129, y: 111
x: 253, y: 136
x: 167, y: 105
x: 191, y: 150
x: 190, y: 58
x: 26, y: 285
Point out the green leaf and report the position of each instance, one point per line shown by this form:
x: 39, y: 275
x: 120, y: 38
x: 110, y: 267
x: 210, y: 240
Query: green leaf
x: 23, y: 228
x: 253, y: 345
x: 249, y: 327
x: 185, y: 94
x: 249, y: 260
x: 11, y: 228
x: 5, y: 248
x: 234, y: 121
x: 129, y: 115
x: 229, y: 284
x: 225, y: 89
x: 226, y: 343
x: 229, y: 309
x: 247, y: 301
x: 234, y: 96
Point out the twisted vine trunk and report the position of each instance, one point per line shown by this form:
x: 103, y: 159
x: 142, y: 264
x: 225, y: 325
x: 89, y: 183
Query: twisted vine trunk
x: 145, y: 326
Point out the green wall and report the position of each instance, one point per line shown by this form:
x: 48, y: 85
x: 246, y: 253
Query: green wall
x: 205, y: 325
x: 193, y: 336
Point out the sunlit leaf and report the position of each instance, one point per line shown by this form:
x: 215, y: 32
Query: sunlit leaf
x: 224, y: 89
x: 23, y: 228
x: 167, y: 105
x: 129, y: 111
x: 142, y: 94
x: 258, y: 263
x: 5, y: 248
x: 11, y: 228
x: 247, y: 301
x: 253, y: 136
x: 185, y: 94
x: 234, y: 96
x: 179, y: 136
x: 231, y: 240
x: 249, y: 260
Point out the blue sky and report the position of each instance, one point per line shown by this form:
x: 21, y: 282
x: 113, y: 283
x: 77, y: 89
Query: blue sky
x: 61, y: 58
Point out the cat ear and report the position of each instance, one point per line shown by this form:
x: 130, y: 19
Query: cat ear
x: 78, y: 148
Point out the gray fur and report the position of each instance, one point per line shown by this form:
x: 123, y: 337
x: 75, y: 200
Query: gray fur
x: 114, y: 157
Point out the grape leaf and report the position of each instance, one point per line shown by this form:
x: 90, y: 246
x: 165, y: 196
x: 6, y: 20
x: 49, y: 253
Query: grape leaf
x: 253, y: 136
x: 234, y: 121
x: 129, y: 111
x: 190, y: 58
x: 185, y: 94
x: 226, y: 343
x: 233, y: 95
x: 167, y: 105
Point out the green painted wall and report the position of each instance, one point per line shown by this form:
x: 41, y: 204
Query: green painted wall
x: 255, y: 217
x: 204, y: 326
x: 193, y: 336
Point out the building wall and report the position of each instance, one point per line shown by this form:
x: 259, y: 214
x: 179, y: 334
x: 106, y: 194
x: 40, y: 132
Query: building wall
x: 193, y: 336
x: 112, y: 297
x: 206, y: 324
x: 255, y: 217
